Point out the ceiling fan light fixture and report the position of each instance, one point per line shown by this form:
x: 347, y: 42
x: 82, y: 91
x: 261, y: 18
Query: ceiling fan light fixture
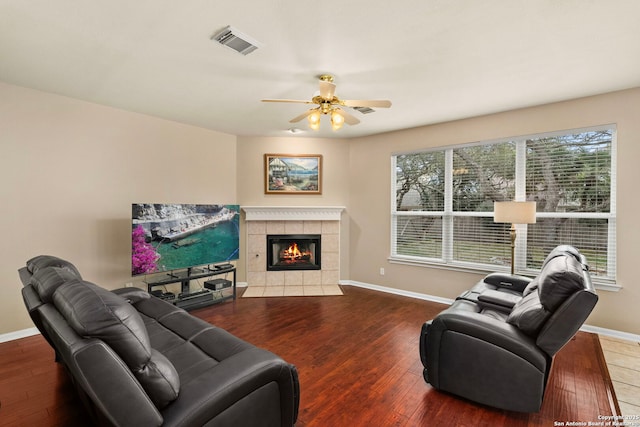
x: 314, y: 120
x: 337, y: 120
x: 329, y: 104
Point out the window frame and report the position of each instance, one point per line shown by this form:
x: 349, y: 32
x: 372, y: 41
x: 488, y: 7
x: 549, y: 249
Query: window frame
x: 447, y: 215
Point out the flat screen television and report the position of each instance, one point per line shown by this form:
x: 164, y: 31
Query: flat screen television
x: 168, y: 237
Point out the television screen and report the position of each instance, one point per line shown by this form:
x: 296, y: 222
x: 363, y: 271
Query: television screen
x: 167, y: 237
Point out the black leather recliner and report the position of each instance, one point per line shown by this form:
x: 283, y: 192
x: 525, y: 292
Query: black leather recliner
x: 137, y: 360
x: 496, y: 343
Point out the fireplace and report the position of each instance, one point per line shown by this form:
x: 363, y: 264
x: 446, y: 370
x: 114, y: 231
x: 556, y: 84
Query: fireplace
x: 293, y: 252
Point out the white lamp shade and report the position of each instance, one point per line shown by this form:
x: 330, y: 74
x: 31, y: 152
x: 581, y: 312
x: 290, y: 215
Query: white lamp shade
x: 514, y: 212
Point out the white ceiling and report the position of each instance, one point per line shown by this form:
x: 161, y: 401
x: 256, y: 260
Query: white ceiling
x: 436, y: 60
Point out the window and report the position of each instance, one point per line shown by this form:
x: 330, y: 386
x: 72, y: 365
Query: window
x: 442, y: 211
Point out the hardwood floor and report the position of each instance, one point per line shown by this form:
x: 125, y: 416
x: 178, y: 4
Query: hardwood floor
x: 358, y: 361
x: 34, y: 390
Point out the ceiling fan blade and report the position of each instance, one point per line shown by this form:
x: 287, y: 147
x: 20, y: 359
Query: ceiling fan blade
x: 373, y: 103
x: 327, y: 90
x: 297, y: 101
x: 348, y: 118
x: 302, y: 116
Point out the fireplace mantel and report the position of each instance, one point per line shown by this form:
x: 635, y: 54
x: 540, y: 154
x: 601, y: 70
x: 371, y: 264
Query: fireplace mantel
x: 292, y: 213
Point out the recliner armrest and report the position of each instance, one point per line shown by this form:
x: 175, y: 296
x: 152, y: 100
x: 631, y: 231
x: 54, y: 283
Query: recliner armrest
x: 490, y: 331
x: 113, y: 389
x: 503, y: 301
x: 254, y: 377
x: 112, y: 386
x: 483, y: 359
x: 133, y: 295
x: 25, y: 275
x: 507, y: 281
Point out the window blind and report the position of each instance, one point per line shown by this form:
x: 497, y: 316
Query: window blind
x: 443, y: 200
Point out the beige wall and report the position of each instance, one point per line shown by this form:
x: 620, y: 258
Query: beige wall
x: 370, y: 211
x: 335, y: 181
x: 69, y: 171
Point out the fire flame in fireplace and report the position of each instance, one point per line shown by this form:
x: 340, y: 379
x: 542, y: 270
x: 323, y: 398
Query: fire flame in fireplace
x: 292, y: 252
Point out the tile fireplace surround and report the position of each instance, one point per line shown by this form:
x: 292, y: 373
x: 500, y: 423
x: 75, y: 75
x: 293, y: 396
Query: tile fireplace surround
x: 264, y: 220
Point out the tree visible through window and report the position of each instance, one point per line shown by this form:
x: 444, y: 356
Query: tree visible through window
x: 443, y: 207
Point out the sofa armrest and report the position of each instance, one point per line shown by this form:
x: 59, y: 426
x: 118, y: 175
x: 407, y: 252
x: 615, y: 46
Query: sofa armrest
x: 112, y: 387
x: 100, y: 374
x: 25, y: 275
x: 487, y: 330
x: 133, y: 295
x: 253, y: 387
x: 31, y: 299
x: 484, y: 359
x: 33, y: 303
x: 507, y: 281
x: 503, y: 301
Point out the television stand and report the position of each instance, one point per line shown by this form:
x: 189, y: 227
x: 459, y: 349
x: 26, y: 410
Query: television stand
x: 215, y: 290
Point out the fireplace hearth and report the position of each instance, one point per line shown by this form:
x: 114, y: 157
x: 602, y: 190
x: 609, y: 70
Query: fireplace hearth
x: 293, y: 252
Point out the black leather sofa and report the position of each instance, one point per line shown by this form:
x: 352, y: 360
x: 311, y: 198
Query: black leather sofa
x: 139, y: 361
x: 495, y: 344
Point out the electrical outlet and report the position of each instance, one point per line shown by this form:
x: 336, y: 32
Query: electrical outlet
x: 382, y: 271
x: 128, y: 285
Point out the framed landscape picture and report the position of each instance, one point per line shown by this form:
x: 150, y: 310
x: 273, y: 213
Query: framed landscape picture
x: 293, y: 174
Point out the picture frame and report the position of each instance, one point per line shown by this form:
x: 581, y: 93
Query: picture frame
x: 293, y: 174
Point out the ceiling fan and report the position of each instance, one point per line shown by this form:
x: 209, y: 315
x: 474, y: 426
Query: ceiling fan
x: 329, y: 103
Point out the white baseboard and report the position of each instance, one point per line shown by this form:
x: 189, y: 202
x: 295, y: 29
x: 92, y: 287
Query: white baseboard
x: 395, y: 291
x: 585, y: 328
x: 18, y: 334
x: 611, y: 333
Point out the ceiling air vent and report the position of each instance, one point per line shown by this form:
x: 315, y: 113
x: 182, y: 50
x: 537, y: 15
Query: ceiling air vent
x: 364, y: 110
x: 237, y: 41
